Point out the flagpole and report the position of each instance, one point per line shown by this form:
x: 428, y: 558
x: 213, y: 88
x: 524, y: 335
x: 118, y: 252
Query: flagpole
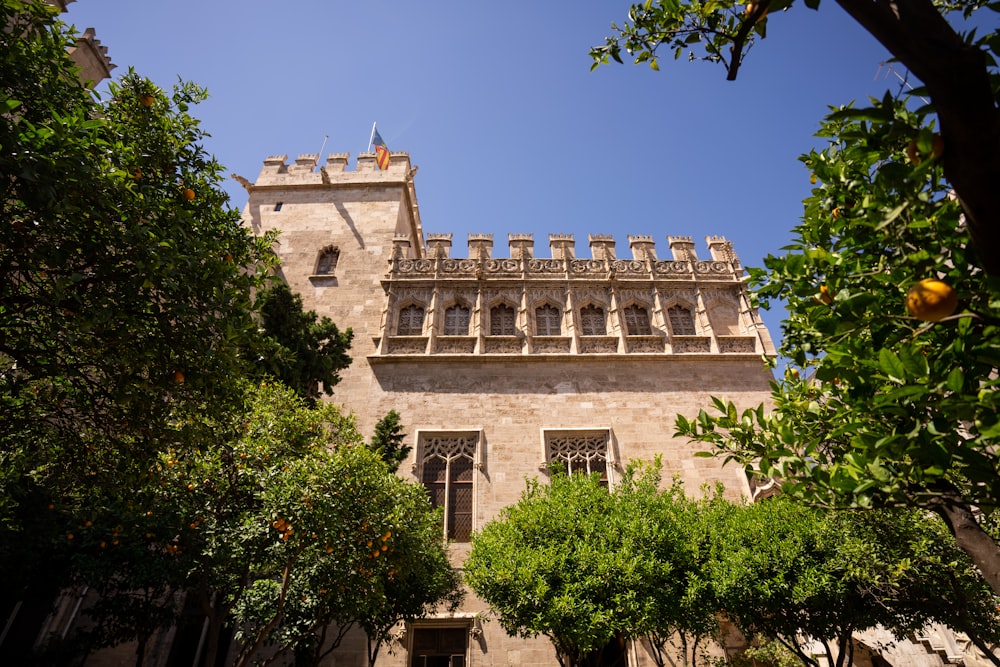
x: 371, y: 139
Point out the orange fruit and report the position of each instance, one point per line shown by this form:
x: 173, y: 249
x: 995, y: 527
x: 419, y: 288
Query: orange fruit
x: 188, y: 194
x: 937, y: 147
x: 824, y: 295
x: 178, y: 377
x: 931, y: 300
x: 146, y: 100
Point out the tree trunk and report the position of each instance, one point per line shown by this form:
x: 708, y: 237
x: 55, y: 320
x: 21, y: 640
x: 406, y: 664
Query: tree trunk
x: 957, y: 79
x: 971, y: 538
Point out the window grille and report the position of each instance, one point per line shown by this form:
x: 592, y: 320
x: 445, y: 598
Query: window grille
x: 547, y: 321
x: 411, y: 321
x: 456, y: 321
x: 447, y: 466
x: 681, y: 321
x: 592, y: 321
x: 502, y: 321
x: 637, y: 321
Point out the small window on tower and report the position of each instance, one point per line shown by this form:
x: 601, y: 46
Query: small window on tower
x: 327, y: 261
x: 277, y: 207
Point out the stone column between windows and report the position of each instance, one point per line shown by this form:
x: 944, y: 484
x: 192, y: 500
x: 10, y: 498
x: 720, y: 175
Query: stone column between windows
x: 431, y: 318
x: 571, y: 329
x: 659, y: 318
x: 477, y: 319
x: 523, y: 316
x: 701, y: 312
x: 614, y: 318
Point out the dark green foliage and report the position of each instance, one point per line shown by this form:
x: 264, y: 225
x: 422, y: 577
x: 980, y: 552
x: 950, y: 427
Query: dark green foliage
x: 583, y: 566
x: 387, y: 441
x: 124, y: 305
x: 302, y: 350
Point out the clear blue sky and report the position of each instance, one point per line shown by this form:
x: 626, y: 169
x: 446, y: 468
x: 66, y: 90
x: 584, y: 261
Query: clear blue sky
x: 496, y: 105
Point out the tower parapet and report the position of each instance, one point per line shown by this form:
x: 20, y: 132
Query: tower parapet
x: 522, y: 246
x: 277, y: 172
x: 562, y: 246
x: 602, y: 247
x: 643, y: 248
x: 682, y: 248
x: 480, y: 246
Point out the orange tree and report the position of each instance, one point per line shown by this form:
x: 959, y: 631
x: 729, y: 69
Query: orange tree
x: 289, y: 528
x: 898, y: 410
x: 124, y: 300
x: 956, y: 67
x: 589, y: 569
x: 892, y: 409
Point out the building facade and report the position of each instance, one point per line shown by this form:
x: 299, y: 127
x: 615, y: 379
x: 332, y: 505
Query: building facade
x: 503, y: 363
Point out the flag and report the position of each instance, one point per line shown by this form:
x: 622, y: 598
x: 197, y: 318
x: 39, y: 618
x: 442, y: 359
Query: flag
x: 381, y: 151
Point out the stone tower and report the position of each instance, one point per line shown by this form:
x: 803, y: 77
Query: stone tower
x: 502, y: 363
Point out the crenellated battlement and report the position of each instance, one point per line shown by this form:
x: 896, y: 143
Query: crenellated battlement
x: 602, y: 248
x: 307, y: 170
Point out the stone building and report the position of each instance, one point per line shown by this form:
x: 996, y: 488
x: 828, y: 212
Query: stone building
x: 500, y: 363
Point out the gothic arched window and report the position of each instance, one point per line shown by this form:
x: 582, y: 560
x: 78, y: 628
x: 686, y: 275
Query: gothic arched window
x: 681, y: 321
x: 547, y: 321
x: 411, y: 321
x: 637, y: 321
x: 592, y: 321
x: 502, y: 321
x: 456, y: 321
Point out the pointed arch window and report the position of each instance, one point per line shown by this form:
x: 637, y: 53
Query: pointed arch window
x: 327, y: 261
x: 579, y: 453
x: 456, y: 321
x: 681, y: 321
x: 411, y: 321
x: 502, y: 321
x: 547, y: 321
x: 637, y: 321
x: 447, y: 462
x: 592, y: 321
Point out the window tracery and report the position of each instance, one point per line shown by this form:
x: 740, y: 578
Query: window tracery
x: 579, y: 453
x: 592, y: 321
x: 681, y: 321
x: 456, y: 321
x: 411, y: 321
x: 547, y: 321
x: 637, y: 321
x: 447, y: 462
x: 502, y: 321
